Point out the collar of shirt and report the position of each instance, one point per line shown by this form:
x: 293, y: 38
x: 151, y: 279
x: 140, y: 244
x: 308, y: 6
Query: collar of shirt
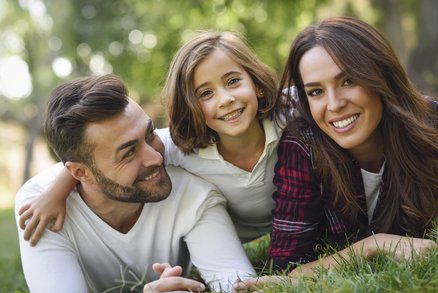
x: 272, y: 136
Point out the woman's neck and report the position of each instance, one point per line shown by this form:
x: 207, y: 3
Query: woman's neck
x: 370, y: 155
x: 244, y: 150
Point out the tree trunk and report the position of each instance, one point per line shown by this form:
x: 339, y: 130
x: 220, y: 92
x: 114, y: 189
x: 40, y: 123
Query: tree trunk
x: 423, y: 65
x: 390, y: 22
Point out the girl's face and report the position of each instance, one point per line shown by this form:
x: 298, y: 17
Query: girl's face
x: 227, y: 95
x: 343, y: 109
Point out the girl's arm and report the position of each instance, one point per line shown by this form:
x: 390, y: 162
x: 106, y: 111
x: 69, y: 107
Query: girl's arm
x: 47, y: 210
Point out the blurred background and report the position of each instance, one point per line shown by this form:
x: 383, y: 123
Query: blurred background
x: 46, y: 42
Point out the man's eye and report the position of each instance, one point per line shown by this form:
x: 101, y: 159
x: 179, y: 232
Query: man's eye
x: 128, y: 153
x: 150, y: 136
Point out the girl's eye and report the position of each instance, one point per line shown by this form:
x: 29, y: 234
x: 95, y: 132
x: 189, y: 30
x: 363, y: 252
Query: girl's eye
x: 234, y: 81
x: 314, y: 92
x: 204, y: 94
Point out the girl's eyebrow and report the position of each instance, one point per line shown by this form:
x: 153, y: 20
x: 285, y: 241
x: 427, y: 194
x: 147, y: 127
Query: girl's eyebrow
x: 338, y: 76
x: 225, y: 76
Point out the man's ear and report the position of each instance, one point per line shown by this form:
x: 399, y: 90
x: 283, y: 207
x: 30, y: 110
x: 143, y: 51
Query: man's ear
x: 79, y: 171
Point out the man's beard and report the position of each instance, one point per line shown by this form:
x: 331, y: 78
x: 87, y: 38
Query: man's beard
x: 119, y: 192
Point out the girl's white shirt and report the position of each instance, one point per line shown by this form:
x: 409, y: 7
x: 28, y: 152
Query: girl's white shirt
x: 248, y: 194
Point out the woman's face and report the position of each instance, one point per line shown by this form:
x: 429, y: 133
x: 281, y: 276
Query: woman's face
x: 347, y: 112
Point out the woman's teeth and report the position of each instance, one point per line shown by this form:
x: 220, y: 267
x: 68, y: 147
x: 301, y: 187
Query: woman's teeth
x: 344, y: 123
x: 232, y: 115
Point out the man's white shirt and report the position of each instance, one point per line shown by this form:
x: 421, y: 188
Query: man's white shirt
x: 88, y: 255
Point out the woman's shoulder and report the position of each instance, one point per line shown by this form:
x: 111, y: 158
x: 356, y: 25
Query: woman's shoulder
x: 298, y: 139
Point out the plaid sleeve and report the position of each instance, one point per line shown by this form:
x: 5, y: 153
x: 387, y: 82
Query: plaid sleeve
x: 298, y: 205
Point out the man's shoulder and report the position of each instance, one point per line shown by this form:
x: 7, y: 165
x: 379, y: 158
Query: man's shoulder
x: 181, y: 176
x: 35, y: 185
x: 191, y: 186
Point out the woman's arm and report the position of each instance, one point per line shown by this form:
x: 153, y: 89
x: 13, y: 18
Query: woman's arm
x: 395, y: 245
x: 400, y: 247
x: 46, y: 210
x: 299, y: 206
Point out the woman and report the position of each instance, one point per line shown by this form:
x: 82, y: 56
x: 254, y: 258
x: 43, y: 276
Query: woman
x: 359, y: 165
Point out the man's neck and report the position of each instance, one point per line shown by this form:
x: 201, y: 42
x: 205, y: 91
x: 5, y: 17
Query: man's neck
x: 121, y: 216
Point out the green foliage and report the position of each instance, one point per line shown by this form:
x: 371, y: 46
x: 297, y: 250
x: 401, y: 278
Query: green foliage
x: 12, y: 279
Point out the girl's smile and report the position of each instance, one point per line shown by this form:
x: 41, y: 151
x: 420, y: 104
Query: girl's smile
x: 227, y: 96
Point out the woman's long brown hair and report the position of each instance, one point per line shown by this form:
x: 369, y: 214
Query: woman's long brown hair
x: 408, y: 125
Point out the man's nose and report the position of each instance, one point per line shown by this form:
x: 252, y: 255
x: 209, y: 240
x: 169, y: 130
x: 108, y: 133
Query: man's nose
x: 150, y: 156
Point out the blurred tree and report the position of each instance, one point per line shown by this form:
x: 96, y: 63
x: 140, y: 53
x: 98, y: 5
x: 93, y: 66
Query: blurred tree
x: 423, y: 63
x: 136, y: 39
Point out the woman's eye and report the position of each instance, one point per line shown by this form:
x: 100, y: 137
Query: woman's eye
x: 314, y: 92
x: 347, y: 81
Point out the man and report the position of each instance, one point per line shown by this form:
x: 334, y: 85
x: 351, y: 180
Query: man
x: 129, y: 217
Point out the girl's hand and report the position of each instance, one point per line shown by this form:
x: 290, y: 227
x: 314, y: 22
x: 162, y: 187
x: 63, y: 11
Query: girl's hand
x: 44, y: 211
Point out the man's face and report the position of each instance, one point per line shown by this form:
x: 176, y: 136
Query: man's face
x: 128, y: 161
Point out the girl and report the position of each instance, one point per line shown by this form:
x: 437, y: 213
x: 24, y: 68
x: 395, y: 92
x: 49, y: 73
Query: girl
x: 362, y: 159
x: 221, y: 100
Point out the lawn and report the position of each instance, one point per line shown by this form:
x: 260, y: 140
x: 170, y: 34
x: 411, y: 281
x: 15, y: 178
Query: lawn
x: 11, y: 276
x: 382, y: 274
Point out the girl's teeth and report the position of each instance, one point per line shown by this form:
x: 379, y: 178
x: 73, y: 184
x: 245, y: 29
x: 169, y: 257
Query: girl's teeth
x: 344, y: 123
x: 232, y: 115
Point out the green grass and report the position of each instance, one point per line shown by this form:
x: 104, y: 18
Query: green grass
x: 381, y: 274
x: 12, y: 279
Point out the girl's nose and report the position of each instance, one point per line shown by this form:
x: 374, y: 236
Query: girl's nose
x: 226, y: 99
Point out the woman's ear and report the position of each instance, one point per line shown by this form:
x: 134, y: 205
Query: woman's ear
x: 79, y: 171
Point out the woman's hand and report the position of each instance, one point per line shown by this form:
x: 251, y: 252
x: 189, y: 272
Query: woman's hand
x: 401, y: 247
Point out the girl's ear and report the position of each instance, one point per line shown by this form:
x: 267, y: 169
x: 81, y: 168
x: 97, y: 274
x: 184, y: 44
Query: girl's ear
x: 79, y: 171
x: 259, y: 92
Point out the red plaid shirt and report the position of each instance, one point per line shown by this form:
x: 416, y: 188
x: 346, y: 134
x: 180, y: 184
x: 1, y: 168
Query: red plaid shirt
x: 303, y: 215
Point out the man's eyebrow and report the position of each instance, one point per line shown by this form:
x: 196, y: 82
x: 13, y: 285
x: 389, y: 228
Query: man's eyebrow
x: 337, y: 77
x: 149, y: 128
x: 126, y: 145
